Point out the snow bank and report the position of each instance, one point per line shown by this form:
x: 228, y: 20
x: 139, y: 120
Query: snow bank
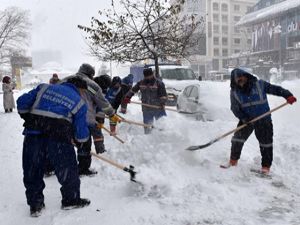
x: 181, y: 187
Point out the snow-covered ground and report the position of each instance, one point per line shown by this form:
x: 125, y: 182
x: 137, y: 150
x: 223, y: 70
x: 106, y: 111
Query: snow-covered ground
x: 181, y: 187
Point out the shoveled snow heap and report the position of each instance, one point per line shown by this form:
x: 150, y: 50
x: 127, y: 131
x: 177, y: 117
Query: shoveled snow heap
x: 180, y: 187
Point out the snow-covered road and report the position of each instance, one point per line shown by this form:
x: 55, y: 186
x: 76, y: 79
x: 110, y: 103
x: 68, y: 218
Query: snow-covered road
x: 181, y: 187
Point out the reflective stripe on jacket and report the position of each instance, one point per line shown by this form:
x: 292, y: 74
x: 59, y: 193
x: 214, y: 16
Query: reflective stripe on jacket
x: 152, y: 93
x: 253, y: 104
x: 53, y: 104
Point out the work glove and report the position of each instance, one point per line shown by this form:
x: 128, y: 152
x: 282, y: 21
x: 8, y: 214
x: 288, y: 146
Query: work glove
x: 291, y: 99
x: 115, y: 118
x: 100, y: 125
x: 126, y: 100
x: 99, y: 147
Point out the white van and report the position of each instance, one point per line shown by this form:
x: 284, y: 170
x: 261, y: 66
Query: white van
x: 176, y: 78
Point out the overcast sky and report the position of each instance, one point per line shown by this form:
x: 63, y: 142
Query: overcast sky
x: 54, y: 25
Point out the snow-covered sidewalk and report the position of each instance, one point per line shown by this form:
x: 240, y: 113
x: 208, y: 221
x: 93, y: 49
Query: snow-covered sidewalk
x: 181, y: 187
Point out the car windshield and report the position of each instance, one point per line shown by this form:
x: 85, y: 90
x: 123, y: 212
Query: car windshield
x: 178, y: 74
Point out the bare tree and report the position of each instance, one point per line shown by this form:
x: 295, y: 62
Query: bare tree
x: 14, y: 32
x: 146, y: 29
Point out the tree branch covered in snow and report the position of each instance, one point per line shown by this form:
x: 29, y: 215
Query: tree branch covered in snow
x: 14, y: 32
x: 149, y: 29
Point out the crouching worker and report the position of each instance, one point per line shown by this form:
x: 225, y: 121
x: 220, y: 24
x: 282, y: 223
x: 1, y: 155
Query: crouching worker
x: 54, y: 115
x: 249, y: 100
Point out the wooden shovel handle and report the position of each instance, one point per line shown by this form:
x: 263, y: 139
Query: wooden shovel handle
x: 153, y: 106
x: 108, y: 161
x: 114, y: 135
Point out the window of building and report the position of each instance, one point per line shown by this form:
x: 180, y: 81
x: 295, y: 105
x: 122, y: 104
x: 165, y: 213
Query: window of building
x: 216, y: 40
x: 236, y: 51
x: 216, y: 17
x: 237, y: 18
x: 216, y: 29
x: 237, y: 41
x: 224, y: 63
x: 215, y: 63
x: 215, y: 6
x: 224, y: 52
x: 236, y: 30
x: 225, y: 29
x: 224, y: 7
x: 236, y: 8
x: 224, y: 41
x: 249, y: 9
x: 249, y: 41
x: 216, y: 52
x: 224, y: 18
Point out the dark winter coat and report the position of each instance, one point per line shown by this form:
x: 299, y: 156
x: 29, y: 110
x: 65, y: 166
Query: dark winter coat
x: 251, y: 100
x: 128, y: 80
x: 55, y: 111
x: 94, y: 99
x: 8, y: 96
x: 153, y: 92
x: 114, y: 96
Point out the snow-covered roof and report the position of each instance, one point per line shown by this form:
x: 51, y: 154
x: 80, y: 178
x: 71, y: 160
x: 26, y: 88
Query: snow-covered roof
x: 268, y: 12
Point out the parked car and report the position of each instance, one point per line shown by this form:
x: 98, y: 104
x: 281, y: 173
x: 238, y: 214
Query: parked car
x: 189, y: 101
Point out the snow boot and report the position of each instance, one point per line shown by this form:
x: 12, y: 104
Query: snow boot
x: 113, y: 129
x: 233, y: 162
x: 123, y: 111
x: 265, y: 170
x: 78, y: 203
x: 35, y: 211
x: 87, y: 172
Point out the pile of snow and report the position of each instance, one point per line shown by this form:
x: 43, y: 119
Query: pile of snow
x: 180, y: 187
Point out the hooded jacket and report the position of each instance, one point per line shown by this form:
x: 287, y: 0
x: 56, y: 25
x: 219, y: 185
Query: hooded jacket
x: 251, y: 101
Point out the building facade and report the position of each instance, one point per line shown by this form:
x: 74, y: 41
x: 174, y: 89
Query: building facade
x: 275, y: 26
x: 221, y: 37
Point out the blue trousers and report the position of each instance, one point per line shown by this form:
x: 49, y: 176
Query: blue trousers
x: 149, y: 116
x: 62, y: 156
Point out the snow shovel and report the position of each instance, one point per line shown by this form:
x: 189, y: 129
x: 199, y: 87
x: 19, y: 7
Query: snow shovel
x: 112, y: 134
x: 135, y: 123
x: 153, y: 106
x: 129, y: 170
x: 197, y: 147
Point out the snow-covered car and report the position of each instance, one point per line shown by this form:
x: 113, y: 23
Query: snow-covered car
x: 189, y: 100
x: 175, y: 79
